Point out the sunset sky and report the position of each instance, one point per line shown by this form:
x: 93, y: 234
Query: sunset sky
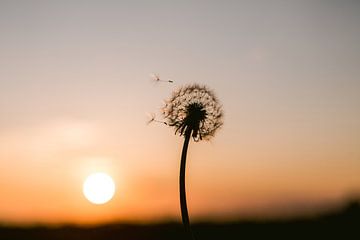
x: 75, y: 90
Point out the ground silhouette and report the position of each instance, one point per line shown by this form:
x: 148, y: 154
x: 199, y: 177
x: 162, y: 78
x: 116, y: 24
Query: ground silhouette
x: 343, y: 223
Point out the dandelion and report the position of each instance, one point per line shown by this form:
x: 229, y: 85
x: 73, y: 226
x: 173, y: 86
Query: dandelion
x: 195, y: 112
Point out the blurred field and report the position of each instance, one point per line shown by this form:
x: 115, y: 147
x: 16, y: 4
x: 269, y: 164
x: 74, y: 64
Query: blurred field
x: 343, y: 223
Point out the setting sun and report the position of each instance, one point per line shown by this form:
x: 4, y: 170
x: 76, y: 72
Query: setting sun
x: 99, y: 188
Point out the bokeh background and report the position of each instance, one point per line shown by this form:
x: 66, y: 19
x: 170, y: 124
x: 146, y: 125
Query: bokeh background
x: 75, y: 90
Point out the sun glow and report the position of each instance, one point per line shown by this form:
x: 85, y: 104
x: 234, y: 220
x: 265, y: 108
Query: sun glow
x: 99, y: 188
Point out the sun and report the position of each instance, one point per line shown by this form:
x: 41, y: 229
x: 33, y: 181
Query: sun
x: 99, y: 188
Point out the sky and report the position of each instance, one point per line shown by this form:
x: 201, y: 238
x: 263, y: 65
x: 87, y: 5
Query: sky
x: 75, y: 92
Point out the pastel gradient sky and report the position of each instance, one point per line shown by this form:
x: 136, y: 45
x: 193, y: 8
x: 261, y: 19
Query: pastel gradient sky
x: 75, y: 90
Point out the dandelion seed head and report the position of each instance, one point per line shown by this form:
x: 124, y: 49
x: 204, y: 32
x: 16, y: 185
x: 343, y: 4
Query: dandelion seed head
x: 194, y: 108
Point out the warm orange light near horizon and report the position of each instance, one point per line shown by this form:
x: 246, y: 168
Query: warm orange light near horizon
x: 99, y: 188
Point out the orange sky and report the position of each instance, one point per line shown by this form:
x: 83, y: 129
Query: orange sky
x: 74, y: 93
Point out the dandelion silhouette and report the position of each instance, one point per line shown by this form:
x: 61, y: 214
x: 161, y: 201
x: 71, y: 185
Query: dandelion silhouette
x: 195, y: 112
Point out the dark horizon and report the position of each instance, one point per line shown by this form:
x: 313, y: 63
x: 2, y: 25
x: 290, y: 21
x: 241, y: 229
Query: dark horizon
x: 324, y: 209
x: 342, y: 223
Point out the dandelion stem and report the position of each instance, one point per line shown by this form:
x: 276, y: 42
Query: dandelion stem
x: 183, y: 205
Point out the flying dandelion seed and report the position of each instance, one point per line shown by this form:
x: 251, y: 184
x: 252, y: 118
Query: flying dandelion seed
x: 195, y: 112
x: 156, y: 78
x: 152, y: 118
